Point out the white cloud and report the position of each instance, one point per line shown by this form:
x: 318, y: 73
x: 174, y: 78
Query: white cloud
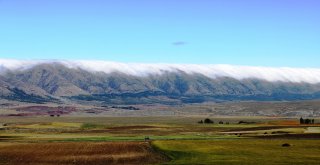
x: 285, y: 74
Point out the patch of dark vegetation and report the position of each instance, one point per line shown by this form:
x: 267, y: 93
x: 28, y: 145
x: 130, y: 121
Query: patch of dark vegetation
x: 280, y: 96
x: 126, y: 107
x: 292, y: 136
x: 206, y: 121
x: 145, y: 97
x: 20, y: 95
x: 194, y: 99
x: 209, y: 121
x: 246, y: 122
x: 147, y: 139
x: 7, y: 104
x: 19, y: 114
x: 9, y: 138
x: 306, y: 121
x: 46, y: 110
x: 148, y: 97
x: 286, y: 145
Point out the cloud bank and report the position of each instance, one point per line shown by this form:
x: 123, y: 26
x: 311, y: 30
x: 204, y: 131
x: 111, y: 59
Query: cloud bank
x: 272, y: 74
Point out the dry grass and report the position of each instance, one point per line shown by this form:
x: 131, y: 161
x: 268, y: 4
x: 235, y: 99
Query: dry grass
x: 79, y: 153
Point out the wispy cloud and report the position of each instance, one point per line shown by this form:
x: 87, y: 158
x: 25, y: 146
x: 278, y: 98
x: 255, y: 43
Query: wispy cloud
x: 179, y: 43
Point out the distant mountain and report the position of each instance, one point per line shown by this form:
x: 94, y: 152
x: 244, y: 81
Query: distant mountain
x: 58, y: 82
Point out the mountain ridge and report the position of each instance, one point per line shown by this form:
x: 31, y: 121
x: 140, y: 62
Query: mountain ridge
x: 55, y: 80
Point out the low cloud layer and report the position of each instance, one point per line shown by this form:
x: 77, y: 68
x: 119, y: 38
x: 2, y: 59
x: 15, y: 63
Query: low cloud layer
x: 284, y: 74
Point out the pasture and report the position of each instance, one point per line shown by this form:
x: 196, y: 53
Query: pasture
x: 157, y: 140
x: 241, y: 151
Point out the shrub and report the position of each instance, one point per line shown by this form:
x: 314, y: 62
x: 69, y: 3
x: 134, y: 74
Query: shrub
x: 286, y: 145
x: 208, y: 121
x: 200, y: 122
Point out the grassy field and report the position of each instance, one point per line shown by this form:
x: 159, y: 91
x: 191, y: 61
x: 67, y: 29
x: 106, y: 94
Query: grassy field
x: 174, y: 140
x: 241, y: 151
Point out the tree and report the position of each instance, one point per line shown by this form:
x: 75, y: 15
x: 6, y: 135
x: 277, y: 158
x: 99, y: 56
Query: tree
x: 307, y: 121
x: 208, y: 121
x: 301, y: 121
x: 200, y: 122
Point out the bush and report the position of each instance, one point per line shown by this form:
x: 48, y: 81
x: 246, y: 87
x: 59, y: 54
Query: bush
x: 208, y: 121
x: 286, y: 145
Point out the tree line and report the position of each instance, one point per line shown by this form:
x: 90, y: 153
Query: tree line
x: 306, y: 121
x: 209, y: 121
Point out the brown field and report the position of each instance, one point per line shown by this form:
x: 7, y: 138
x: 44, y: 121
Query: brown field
x: 86, y: 153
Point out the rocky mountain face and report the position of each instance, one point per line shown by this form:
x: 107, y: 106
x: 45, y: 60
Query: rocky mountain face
x: 58, y: 83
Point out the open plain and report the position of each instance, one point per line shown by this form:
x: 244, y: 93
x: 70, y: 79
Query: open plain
x: 158, y: 140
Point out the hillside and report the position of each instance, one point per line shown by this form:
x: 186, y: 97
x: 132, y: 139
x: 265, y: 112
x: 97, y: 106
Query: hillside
x: 58, y: 82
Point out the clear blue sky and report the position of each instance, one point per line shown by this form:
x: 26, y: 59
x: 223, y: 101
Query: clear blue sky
x: 241, y: 32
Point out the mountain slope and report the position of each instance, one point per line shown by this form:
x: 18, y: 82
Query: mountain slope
x: 45, y: 81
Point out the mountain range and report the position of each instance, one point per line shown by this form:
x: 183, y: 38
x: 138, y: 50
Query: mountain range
x: 57, y: 82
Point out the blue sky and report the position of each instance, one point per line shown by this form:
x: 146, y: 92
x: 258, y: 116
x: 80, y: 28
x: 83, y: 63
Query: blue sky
x: 246, y: 32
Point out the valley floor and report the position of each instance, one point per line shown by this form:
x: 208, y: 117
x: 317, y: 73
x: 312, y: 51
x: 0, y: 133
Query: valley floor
x: 157, y: 140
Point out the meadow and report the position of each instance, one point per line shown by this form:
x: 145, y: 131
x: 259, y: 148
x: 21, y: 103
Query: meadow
x: 241, y: 151
x: 157, y: 140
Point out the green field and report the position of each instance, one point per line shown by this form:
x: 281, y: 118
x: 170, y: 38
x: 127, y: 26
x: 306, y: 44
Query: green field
x: 241, y: 151
x: 173, y: 140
